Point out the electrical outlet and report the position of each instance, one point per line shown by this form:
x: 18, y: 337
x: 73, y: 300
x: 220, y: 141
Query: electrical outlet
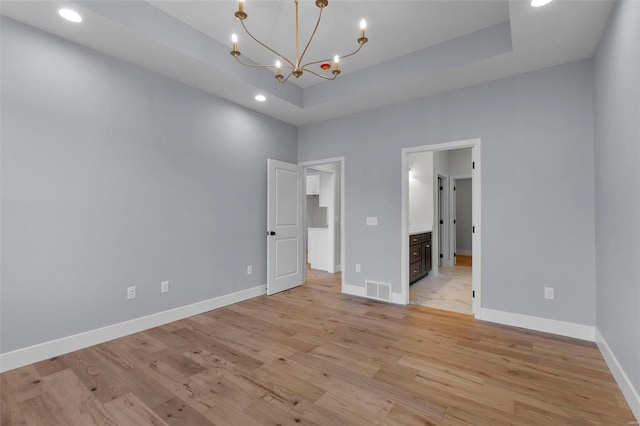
x: 548, y: 293
x: 164, y: 286
x: 357, y: 267
x: 372, y: 221
x: 250, y: 270
x: 131, y: 292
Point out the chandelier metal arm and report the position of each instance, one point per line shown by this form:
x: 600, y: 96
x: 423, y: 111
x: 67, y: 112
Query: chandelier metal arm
x: 285, y: 80
x: 311, y: 38
x: 258, y: 66
x: 320, y: 75
x: 252, y: 66
x: 330, y: 59
x: 295, y: 68
x: 264, y: 45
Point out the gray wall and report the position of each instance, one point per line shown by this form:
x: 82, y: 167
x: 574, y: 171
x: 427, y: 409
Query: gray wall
x: 459, y: 162
x: 537, y: 184
x: 463, y: 216
x: 617, y: 186
x: 113, y: 176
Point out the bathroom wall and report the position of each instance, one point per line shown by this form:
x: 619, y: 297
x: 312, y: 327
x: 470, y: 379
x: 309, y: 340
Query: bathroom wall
x: 421, y: 186
x: 463, y: 216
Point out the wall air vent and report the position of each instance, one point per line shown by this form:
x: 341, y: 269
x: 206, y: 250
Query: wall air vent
x: 379, y: 291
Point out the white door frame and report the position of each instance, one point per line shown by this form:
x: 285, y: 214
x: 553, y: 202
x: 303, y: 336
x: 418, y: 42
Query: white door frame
x: 343, y: 251
x: 453, y: 208
x: 446, y: 229
x: 331, y: 211
x: 474, y: 144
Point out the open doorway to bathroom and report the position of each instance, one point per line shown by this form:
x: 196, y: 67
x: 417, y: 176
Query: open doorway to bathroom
x: 442, y: 229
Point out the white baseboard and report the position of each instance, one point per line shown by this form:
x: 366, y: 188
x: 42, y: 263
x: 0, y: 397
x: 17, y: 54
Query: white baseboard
x: 630, y: 393
x: 46, y: 350
x: 398, y: 298
x: 569, y: 329
x: 354, y: 290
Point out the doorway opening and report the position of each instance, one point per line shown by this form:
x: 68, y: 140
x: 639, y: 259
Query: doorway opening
x: 462, y: 203
x: 324, y: 216
x: 441, y: 220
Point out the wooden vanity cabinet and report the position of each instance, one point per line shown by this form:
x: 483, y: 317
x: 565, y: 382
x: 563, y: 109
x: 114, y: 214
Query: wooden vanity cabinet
x: 419, y: 256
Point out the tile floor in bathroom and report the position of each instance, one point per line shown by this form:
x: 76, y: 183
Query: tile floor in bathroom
x: 450, y: 290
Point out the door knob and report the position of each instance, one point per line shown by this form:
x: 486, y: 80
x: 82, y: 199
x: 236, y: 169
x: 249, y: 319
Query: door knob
x: 271, y: 233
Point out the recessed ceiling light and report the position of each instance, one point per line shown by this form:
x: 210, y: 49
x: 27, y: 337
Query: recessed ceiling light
x: 70, y: 15
x: 260, y: 98
x: 538, y: 3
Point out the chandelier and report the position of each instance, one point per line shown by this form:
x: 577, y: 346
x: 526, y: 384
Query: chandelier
x: 296, y: 68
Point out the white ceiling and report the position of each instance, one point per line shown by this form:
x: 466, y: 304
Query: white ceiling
x: 416, y: 48
x: 394, y: 28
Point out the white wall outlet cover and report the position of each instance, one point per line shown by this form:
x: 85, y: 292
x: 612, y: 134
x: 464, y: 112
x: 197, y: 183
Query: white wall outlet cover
x: 372, y: 221
x: 249, y: 269
x: 549, y: 293
x: 357, y: 267
x: 131, y: 292
x: 164, y: 286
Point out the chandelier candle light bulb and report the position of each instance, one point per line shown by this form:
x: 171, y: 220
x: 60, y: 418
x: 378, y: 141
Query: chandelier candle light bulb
x: 296, y: 67
x: 363, y: 39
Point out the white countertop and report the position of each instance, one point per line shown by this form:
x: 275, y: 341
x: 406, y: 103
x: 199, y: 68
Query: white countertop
x: 419, y: 229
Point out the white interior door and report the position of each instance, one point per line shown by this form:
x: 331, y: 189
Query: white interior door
x: 285, y: 258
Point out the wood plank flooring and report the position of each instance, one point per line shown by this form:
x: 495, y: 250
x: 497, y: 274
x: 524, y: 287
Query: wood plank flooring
x: 314, y: 356
x: 464, y: 260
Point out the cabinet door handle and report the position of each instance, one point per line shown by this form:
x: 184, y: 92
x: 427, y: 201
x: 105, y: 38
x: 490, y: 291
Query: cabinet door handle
x: 428, y: 245
x: 415, y: 254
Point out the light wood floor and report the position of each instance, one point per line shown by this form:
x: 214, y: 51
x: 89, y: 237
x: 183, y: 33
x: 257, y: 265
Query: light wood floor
x: 314, y: 356
x: 450, y: 290
x: 464, y: 260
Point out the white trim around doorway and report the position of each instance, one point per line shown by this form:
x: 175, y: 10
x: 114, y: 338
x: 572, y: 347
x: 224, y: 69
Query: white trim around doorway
x: 316, y: 163
x: 446, y: 226
x: 474, y: 144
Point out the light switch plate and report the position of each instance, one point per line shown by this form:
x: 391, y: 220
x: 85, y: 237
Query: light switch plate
x: 549, y: 293
x: 372, y: 221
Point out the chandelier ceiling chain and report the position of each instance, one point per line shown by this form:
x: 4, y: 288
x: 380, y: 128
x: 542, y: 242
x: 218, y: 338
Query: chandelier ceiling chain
x: 295, y: 68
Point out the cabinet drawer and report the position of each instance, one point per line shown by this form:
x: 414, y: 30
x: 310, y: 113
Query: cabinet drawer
x: 415, y: 270
x: 415, y: 253
x: 426, y: 238
x: 415, y: 239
